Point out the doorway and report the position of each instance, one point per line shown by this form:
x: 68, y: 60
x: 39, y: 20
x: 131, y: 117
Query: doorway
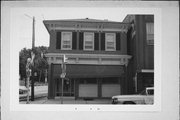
x: 68, y: 87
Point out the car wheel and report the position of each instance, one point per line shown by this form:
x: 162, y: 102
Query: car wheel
x: 113, y: 102
x: 129, y: 102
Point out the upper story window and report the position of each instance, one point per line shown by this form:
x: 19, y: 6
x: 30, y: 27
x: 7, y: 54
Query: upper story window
x: 110, y: 44
x: 66, y: 40
x: 88, y: 41
x: 150, y: 33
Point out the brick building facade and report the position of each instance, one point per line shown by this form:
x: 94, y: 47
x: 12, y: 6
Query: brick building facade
x: 104, y: 57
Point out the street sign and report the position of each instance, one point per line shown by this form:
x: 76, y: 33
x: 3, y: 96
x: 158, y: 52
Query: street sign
x: 63, y: 75
x: 28, y: 72
x: 65, y: 59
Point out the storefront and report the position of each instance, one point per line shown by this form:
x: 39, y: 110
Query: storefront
x: 88, y: 81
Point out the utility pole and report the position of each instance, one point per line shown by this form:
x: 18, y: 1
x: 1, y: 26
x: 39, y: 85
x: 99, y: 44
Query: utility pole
x: 63, y: 74
x: 33, y: 33
x: 62, y: 90
x: 32, y: 54
x: 28, y: 74
x: 32, y: 57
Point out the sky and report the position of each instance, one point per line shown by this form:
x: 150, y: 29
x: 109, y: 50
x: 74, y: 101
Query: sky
x: 21, y: 21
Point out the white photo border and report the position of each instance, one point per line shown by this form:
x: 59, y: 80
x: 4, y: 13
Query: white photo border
x: 166, y: 57
x: 12, y: 90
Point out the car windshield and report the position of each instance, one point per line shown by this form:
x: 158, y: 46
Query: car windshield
x: 150, y: 92
x: 143, y: 92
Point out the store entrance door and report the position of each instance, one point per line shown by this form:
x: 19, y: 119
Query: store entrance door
x: 68, y: 87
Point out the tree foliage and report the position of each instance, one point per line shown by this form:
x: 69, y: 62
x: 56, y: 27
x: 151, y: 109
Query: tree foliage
x: 40, y: 63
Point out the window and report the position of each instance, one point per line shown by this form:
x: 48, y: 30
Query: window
x: 110, y: 42
x: 150, y: 33
x: 66, y: 41
x: 88, y: 81
x: 110, y: 80
x: 88, y: 41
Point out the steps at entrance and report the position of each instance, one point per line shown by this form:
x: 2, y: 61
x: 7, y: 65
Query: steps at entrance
x: 65, y: 98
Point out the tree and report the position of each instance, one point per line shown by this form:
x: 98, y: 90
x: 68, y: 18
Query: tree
x: 40, y: 63
x: 23, y: 55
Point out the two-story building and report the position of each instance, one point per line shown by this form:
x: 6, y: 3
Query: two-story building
x: 140, y: 45
x: 97, y: 58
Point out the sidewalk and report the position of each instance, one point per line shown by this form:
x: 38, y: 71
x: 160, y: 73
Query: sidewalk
x: 68, y: 101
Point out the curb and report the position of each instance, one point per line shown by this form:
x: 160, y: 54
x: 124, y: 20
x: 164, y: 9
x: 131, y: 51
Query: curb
x: 35, y: 97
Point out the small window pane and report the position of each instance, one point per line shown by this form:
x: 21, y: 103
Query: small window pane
x: 88, y: 43
x: 110, y: 38
x: 88, y: 47
x: 66, y: 42
x: 66, y: 46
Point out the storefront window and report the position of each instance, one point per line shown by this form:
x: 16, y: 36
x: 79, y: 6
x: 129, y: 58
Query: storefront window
x: 110, y: 80
x: 88, y: 81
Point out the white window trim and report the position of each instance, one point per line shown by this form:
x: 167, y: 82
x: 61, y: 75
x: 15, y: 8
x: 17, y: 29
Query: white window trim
x: 62, y: 41
x: 85, y: 40
x: 114, y: 34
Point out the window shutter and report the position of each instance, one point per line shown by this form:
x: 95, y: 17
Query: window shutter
x: 118, y: 41
x: 58, y: 40
x: 80, y: 40
x: 74, y: 40
x: 96, y: 41
x: 102, y: 41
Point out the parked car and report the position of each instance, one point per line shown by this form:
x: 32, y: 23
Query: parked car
x: 23, y: 92
x: 145, y: 97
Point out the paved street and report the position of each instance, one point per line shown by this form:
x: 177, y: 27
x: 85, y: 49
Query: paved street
x: 39, y: 91
x: 44, y: 100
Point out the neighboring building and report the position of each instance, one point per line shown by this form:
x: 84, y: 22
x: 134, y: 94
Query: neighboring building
x: 140, y: 45
x: 97, y: 58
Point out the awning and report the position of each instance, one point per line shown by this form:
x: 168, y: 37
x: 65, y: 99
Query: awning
x: 87, y: 71
x: 146, y: 74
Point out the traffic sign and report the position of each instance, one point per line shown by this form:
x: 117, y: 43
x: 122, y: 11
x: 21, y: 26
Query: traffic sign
x: 63, y: 75
x: 65, y: 59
